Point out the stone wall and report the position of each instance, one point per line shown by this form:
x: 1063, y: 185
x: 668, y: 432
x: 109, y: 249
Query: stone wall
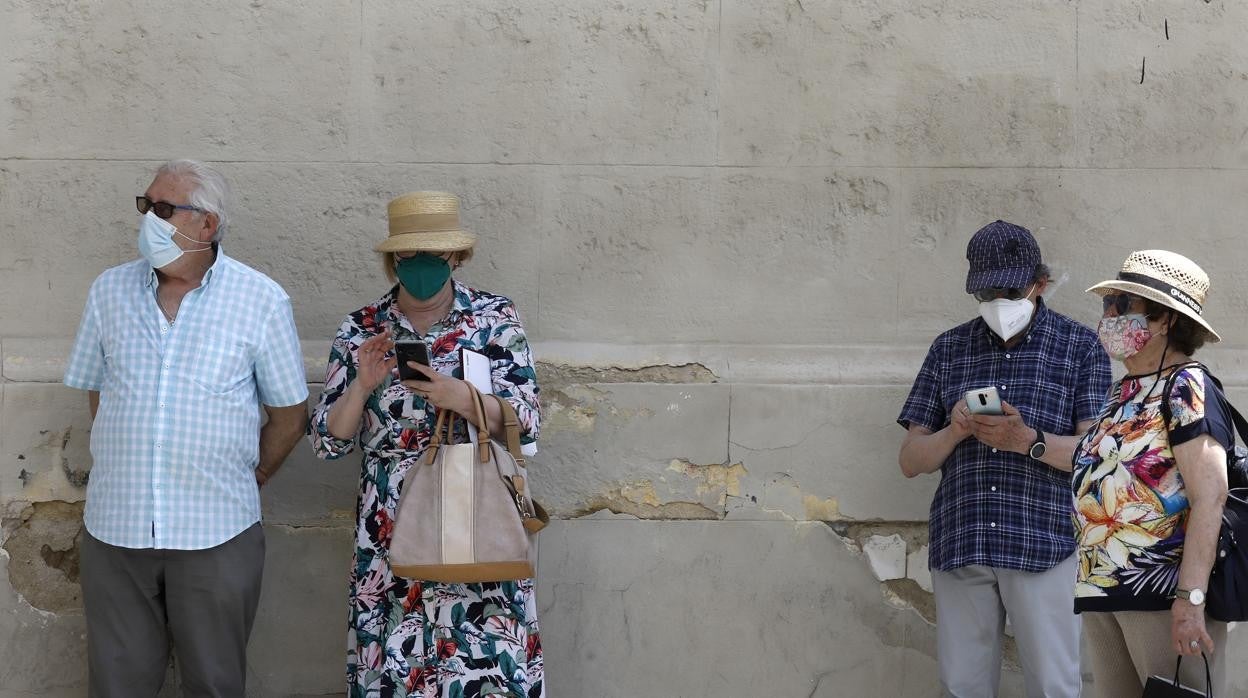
x: 731, y: 228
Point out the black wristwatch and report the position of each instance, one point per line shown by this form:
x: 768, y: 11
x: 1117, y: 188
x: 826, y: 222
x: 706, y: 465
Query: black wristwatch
x: 1037, y: 447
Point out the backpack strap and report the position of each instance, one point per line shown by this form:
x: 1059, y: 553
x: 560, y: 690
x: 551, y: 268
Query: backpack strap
x: 1241, y: 424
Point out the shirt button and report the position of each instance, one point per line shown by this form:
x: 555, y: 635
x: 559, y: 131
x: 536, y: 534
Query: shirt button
x: 162, y: 405
x: 1008, y: 356
x: 157, y: 444
x: 994, y: 450
x: 166, y: 364
x: 993, y: 524
x: 994, y: 488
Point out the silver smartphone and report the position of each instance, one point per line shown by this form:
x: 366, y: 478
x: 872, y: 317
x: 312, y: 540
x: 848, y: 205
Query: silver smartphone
x: 984, y: 401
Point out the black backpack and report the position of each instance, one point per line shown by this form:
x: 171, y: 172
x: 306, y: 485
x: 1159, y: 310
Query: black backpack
x: 1227, y: 599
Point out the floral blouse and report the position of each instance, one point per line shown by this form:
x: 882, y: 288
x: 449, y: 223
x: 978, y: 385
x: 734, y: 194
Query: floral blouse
x: 397, y: 422
x: 1130, y: 505
x: 408, y: 637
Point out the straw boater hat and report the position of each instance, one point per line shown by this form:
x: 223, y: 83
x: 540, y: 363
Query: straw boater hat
x: 426, y: 221
x: 1167, y: 278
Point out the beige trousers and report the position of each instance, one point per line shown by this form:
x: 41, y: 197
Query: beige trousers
x: 1127, y: 647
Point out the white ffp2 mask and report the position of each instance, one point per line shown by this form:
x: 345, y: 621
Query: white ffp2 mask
x: 1006, y: 317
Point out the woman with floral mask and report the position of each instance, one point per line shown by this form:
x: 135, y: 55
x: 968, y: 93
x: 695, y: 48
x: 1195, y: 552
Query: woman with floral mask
x: 1149, y: 495
x: 409, y: 637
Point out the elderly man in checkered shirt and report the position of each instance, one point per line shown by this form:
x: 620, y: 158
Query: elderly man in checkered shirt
x: 1002, y: 541
x: 179, y: 351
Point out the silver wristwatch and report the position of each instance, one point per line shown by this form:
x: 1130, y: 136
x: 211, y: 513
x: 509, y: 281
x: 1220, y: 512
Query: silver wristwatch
x: 1195, y: 597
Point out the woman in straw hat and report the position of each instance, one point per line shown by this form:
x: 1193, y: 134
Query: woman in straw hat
x: 413, y: 638
x: 1149, y: 495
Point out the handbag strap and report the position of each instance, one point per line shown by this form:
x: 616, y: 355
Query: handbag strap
x: 483, y: 425
x: 480, y: 419
x: 445, y: 424
x: 511, y: 427
x: 1208, y: 678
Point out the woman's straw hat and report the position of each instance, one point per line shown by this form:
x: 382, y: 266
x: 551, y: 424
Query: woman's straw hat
x: 426, y: 221
x: 1167, y: 278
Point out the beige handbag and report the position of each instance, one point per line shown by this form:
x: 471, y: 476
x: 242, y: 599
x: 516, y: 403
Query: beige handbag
x: 465, y: 514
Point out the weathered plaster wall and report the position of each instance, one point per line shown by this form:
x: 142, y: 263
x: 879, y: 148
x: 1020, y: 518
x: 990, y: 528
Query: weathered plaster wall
x: 731, y: 227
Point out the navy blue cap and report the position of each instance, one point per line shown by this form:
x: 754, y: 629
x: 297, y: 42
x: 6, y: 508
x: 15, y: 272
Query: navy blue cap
x: 1002, y: 255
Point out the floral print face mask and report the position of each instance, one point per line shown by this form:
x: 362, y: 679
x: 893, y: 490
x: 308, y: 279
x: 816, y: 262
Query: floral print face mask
x: 1124, y: 335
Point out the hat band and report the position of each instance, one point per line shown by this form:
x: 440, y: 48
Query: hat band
x: 424, y: 223
x: 1159, y: 285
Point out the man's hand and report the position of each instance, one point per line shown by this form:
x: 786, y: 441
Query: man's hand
x: 285, y: 427
x: 1006, y: 432
x: 960, y: 425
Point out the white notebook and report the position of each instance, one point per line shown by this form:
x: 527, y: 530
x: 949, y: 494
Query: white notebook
x: 477, y: 371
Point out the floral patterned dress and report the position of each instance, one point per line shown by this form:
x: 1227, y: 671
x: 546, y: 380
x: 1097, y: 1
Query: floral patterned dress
x: 429, y: 639
x: 1130, y: 505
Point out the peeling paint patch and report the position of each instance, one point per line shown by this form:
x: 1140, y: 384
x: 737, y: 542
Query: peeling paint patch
x: 905, y: 593
x: 563, y: 374
x: 821, y: 509
x: 896, y: 553
x: 712, y: 478
x: 43, y: 555
x: 58, y: 481
x: 641, y: 500
x: 561, y: 411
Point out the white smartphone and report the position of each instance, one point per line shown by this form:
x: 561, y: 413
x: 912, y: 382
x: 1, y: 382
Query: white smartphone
x: 984, y: 401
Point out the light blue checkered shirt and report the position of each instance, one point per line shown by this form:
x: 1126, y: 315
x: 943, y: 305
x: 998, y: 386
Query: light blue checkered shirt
x: 176, y: 441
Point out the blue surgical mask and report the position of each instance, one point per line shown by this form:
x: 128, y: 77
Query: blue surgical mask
x: 156, y: 241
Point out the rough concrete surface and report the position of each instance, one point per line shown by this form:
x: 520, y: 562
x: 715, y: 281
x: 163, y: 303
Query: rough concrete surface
x: 731, y: 227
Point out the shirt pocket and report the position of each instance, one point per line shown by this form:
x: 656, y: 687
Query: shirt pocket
x: 220, y: 368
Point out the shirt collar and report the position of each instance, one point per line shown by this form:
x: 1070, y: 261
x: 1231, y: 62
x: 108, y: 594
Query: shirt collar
x: 150, y: 279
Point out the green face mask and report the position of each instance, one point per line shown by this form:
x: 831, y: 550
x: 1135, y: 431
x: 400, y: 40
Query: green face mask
x: 423, y: 275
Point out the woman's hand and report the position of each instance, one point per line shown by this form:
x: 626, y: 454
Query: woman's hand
x: 442, y: 391
x: 1187, y: 629
x: 373, y: 367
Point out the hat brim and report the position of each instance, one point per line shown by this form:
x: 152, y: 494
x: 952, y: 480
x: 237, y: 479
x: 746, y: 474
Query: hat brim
x: 440, y: 241
x: 1105, y: 287
x: 1010, y: 277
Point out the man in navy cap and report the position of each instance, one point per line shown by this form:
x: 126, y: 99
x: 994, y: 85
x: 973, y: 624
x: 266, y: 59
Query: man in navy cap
x: 1002, y: 541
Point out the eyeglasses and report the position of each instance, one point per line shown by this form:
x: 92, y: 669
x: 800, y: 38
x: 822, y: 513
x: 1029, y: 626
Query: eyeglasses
x: 1120, y: 302
x: 984, y: 295
x: 162, y: 209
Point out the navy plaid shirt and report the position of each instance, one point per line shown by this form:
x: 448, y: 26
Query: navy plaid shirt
x: 996, y: 508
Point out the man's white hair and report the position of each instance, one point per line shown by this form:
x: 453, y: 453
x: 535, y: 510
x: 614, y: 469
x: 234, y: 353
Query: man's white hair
x: 211, y: 192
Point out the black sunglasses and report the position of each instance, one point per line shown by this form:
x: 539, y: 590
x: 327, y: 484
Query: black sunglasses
x: 1120, y: 302
x: 984, y: 295
x: 162, y: 209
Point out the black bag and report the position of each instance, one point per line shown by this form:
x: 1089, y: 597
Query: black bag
x: 1161, y: 687
x: 1227, y: 598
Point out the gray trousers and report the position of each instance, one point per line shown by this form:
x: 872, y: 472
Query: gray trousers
x: 137, y: 600
x: 971, y: 606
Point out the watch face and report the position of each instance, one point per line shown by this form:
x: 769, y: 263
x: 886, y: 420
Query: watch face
x: 1196, y: 596
x: 1037, y: 450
